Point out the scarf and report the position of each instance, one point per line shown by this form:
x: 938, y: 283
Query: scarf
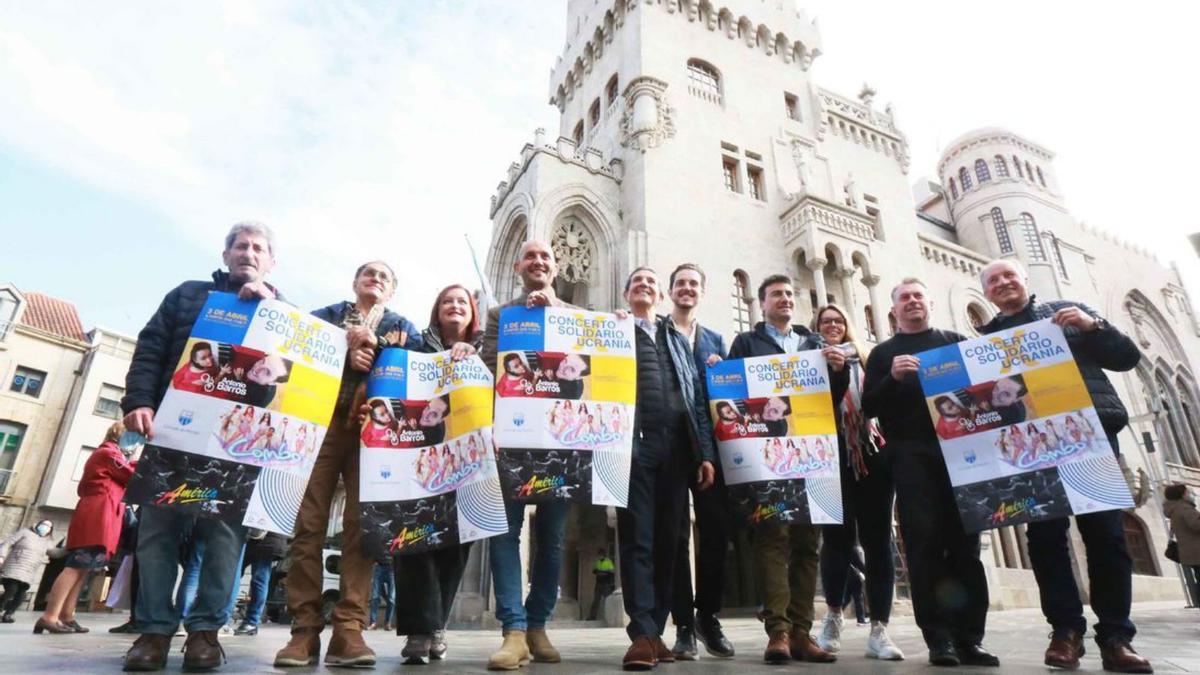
x: 862, y: 435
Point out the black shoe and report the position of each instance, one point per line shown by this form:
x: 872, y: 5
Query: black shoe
x: 246, y: 629
x: 127, y: 627
x: 943, y: 655
x: 974, y: 655
x: 708, y: 629
x: 7, y: 618
x: 685, y: 644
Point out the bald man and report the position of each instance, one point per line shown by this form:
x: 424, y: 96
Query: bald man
x: 524, y: 621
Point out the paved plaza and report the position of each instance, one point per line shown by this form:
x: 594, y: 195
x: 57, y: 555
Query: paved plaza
x: 1168, y: 634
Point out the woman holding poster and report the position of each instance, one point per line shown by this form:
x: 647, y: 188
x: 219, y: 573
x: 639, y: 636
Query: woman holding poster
x: 428, y: 581
x: 867, y: 495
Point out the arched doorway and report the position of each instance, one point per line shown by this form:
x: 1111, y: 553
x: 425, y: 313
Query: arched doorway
x: 1137, y: 540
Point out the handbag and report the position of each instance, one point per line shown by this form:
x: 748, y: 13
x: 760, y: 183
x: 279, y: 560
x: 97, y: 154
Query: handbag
x: 1172, y: 552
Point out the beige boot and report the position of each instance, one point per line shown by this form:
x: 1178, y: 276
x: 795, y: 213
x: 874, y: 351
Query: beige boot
x: 540, y: 647
x: 512, y: 654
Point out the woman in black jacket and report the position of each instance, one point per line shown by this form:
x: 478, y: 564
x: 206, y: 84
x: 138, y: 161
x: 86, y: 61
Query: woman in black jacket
x: 427, y: 582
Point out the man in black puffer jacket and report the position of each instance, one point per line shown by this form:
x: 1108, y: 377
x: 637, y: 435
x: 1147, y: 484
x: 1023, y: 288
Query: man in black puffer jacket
x: 785, y: 553
x: 1096, y: 345
x: 672, y: 442
x: 249, y: 257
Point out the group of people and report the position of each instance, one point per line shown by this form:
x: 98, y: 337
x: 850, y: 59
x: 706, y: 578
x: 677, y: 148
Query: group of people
x: 885, y: 438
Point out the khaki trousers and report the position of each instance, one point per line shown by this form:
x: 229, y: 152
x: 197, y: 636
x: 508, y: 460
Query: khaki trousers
x: 338, y: 457
x: 786, y: 557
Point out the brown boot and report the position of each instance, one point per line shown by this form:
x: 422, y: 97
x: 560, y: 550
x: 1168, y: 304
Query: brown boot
x: 661, y: 653
x: 803, y: 648
x: 1119, y: 657
x: 202, y: 651
x: 540, y: 647
x: 777, y: 649
x: 513, y: 654
x: 148, y: 653
x: 347, y: 650
x: 640, y: 655
x: 1065, y: 649
x: 302, y: 650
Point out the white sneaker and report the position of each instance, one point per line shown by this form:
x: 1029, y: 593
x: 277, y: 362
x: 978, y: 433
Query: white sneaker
x: 830, y: 638
x: 880, y: 646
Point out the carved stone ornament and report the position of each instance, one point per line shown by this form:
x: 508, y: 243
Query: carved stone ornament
x: 648, y: 119
x: 572, y: 245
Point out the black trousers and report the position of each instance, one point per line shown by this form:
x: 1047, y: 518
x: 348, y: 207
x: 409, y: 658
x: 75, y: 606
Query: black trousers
x: 426, y: 584
x: 867, y: 518
x: 949, y: 588
x: 714, y: 522
x: 648, y: 529
x: 14, y: 593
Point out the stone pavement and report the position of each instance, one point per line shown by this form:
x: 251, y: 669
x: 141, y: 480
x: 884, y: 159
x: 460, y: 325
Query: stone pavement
x: 1169, y: 635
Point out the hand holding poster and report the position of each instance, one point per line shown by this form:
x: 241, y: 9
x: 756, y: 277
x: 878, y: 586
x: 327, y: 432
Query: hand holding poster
x: 777, y: 436
x: 565, y: 391
x: 238, y: 431
x: 428, y: 476
x: 1021, y: 439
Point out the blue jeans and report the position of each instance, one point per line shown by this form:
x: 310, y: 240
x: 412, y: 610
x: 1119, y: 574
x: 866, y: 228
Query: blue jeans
x: 260, y: 580
x: 185, y: 595
x: 1110, y: 572
x: 382, y: 589
x: 550, y: 521
x: 159, y: 538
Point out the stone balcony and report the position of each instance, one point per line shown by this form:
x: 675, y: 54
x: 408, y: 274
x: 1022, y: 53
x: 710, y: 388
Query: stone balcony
x: 812, y: 214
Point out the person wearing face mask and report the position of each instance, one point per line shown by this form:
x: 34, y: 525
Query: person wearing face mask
x: 785, y: 554
x: 428, y: 582
x: 867, y: 496
x: 1179, y: 507
x: 672, y: 446
x: 949, y: 587
x: 20, y: 555
x: 1096, y: 346
x: 370, y: 327
x: 94, y: 533
x: 249, y: 257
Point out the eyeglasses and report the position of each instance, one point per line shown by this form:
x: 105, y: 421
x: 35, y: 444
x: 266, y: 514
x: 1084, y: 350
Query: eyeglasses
x: 833, y: 321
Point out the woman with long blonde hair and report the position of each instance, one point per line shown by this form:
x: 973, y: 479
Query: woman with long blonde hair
x: 867, y: 497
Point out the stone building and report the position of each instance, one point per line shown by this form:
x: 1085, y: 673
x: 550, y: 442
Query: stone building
x: 696, y: 131
x: 62, y: 389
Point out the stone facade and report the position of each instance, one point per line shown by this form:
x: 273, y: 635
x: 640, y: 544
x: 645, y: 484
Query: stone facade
x: 694, y: 131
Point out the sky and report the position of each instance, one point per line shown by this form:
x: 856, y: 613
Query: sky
x: 133, y: 135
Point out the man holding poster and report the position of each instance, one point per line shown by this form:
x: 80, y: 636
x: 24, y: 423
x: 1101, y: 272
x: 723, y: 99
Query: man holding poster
x: 370, y: 327
x: 249, y: 258
x: 949, y: 587
x: 672, y: 442
x: 524, y: 622
x: 1096, y: 346
x: 785, y: 554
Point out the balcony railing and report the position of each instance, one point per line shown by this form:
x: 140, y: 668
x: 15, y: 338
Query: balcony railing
x: 815, y: 213
x: 706, y: 95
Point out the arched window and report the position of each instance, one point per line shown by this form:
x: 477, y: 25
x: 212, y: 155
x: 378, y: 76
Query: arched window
x: 1059, y: 264
x: 575, y: 252
x: 1030, y: 237
x: 964, y: 177
x: 1188, y: 407
x: 1001, y: 166
x: 1029, y: 172
x: 869, y: 322
x: 1001, y: 230
x: 1138, y: 543
x: 1017, y: 164
x: 610, y: 90
x: 741, y: 301
x: 594, y: 114
x: 1166, y: 401
x: 981, y: 171
x: 704, y: 80
x: 11, y: 434
x: 976, y: 316
x: 1041, y: 178
x: 953, y: 189
x: 577, y: 135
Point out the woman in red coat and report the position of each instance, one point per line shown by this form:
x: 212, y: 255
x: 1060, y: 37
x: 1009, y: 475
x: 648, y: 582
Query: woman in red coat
x: 95, y: 529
